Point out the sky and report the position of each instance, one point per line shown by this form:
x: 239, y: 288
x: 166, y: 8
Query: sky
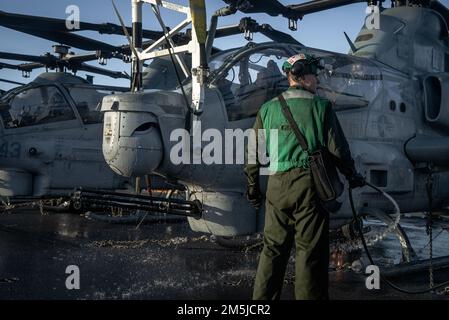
x: 322, y: 30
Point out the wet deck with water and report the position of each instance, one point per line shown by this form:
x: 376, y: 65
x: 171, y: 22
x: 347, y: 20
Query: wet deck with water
x: 165, y: 260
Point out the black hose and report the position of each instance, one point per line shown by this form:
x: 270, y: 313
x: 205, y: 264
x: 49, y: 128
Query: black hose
x: 365, y: 247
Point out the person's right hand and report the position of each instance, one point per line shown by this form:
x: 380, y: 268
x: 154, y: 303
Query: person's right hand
x: 254, y: 195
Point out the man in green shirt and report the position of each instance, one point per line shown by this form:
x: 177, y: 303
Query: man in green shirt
x: 293, y: 211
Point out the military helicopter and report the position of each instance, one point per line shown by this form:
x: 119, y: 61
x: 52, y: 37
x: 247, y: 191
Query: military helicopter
x: 51, y: 142
x: 388, y: 93
x: 159, y: 74
x: 50, y: 129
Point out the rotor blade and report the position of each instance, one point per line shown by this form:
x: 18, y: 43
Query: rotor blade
x: 320, y: 5
x: 12, y: 82
x: 55, y: 30
x: 266, y: 29
x: 80, y: 58
x: 271, y: 7
x: 294, y: 11
x: 8, y: 66
x: 50, y: 61
x: 227, y: 31
x: 22, y: 67
x: 70, y: 39
x: 276, y: 35
x: 30, y: 66
x: 14, y: 21
x: 97, y: 70
x: 111, y: 28
x: 46, y: 59
x: 198, y: 13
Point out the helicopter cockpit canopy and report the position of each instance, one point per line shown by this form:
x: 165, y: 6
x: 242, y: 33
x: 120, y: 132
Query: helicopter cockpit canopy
x: 51, y: 98
x: 349, y: 82
x: 249, y: 78
x: 35, y: 105
x: 160, y: 73
x: 87, y: 102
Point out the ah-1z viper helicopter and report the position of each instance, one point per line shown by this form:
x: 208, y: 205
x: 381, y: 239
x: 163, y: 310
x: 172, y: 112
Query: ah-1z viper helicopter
x: 51, y: 132
x: 51, y: 127
x: 158, y: 75
x: 389, y: 93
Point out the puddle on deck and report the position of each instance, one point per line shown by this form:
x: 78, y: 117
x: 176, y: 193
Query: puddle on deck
x: 168, y: 261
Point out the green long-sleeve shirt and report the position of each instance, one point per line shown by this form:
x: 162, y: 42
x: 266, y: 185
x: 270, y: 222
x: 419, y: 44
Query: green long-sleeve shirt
x: 317, y: 122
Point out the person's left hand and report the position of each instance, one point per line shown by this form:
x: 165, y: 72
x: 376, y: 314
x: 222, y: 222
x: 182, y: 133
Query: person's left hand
x: 356, y: 181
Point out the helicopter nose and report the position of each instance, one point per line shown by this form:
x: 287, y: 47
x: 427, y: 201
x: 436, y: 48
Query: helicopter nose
x: 132, y: 144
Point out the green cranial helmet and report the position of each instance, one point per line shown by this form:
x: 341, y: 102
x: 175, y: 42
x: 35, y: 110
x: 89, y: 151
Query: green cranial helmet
x: 301, y: 64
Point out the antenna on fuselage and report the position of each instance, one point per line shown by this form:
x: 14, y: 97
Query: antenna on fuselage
x: 351, y: 44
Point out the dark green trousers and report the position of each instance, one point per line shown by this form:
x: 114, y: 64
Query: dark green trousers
x: 293, y: 215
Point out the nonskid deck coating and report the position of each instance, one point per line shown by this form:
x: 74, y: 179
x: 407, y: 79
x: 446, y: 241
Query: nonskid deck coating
x: 163, y: 261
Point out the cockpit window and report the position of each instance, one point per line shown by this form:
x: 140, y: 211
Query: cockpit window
x: 87, y: 102
x: 364, y: 37
x: 349, y: 82
x: 161, y: 74
x: 251, y: 81
x: 34, y: 106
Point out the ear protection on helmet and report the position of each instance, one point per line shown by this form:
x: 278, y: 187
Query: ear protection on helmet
x: 302, y: 67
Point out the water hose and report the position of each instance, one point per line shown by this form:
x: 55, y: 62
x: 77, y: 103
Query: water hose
x: 373, y: 239
x: 365, y: 246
